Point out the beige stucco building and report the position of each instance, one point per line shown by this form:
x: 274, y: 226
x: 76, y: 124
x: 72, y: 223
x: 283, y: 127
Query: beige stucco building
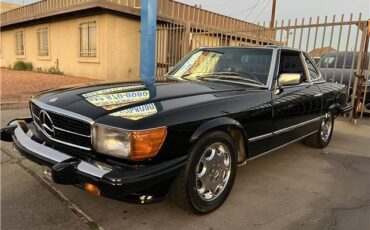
x: 101, y: 38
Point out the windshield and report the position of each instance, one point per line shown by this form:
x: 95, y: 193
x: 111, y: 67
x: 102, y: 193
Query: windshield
x: 247, y: 65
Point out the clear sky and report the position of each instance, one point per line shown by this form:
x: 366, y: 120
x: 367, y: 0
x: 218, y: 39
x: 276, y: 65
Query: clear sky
x: 260, y: 10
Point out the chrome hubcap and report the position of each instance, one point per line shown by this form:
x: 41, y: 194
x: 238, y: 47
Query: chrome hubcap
x: 213, y: 171
x: 326, y: 127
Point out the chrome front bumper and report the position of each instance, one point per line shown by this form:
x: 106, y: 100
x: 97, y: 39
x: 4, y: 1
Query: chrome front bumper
x: 115, y: 182
x: 22, y: 140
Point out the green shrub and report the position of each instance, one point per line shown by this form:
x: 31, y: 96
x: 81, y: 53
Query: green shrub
x: 21, y: 65
x: 29, y: 66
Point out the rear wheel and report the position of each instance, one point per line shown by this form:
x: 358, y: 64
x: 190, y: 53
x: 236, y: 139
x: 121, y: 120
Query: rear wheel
x: 322, y: 138
x: 204, y: 184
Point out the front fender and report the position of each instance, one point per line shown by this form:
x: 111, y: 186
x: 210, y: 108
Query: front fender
x: 217, y: 122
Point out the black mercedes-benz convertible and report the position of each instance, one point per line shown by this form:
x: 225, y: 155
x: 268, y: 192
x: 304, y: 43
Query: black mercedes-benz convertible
x: 223, y: 107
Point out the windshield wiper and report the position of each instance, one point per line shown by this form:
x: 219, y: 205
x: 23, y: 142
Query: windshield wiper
x: 226, y: 76
x: 184, y: 76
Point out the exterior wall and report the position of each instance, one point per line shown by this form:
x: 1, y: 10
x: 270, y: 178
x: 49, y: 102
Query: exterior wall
x: 123, y: 48
x: 118, y: 43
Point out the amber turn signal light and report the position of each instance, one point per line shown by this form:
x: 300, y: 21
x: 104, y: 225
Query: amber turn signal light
x: 93, y: 189
x: 146, y: 144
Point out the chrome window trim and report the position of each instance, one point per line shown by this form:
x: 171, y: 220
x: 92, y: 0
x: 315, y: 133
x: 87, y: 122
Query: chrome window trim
x: 63, y: 112
x: 237, y: 82
x: 304, y: 63
x: 284, y: 130
x: 310, y: 82
x: 315, y: 66
x: 273, y: 64
x: 318, y: 82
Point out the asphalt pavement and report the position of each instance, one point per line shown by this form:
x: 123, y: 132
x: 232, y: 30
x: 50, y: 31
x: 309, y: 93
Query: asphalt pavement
x: 296, y: 187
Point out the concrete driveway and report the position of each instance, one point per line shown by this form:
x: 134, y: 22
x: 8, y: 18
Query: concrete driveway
x: 296, y: 187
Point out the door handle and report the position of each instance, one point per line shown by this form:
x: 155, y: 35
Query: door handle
x: 318, y: 95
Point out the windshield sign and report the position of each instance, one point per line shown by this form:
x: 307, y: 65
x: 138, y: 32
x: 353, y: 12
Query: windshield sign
x: 245, y: 65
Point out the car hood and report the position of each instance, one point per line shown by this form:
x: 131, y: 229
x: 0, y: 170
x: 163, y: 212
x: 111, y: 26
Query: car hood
x: 133, y: 101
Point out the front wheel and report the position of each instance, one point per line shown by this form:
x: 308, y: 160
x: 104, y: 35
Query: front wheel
x: 204, y: 184
x: 322, y: 138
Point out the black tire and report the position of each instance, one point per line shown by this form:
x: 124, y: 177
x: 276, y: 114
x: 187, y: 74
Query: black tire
x: 316, y: 140
x: 184, y: 191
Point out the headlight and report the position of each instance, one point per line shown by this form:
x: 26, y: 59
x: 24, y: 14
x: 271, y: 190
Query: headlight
x: 135, y: 145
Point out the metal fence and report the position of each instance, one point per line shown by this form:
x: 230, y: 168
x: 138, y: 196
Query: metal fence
x: 336, y: 43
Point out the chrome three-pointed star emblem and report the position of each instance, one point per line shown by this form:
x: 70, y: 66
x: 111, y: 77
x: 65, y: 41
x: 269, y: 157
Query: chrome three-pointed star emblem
x: 46, y: 123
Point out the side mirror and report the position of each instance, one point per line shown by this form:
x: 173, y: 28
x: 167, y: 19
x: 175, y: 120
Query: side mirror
x: 287, y: 79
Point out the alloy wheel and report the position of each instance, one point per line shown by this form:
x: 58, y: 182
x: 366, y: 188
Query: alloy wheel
x: 213, y: 171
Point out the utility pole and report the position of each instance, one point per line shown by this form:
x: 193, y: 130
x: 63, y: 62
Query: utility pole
x: 148, y: 41
x: 272, y: 22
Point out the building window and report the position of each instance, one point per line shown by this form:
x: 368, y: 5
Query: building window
x: 19, y: 45
x: 43, y: 42
x: 88, y: 39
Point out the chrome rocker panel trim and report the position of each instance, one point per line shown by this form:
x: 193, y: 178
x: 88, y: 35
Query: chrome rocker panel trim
x: 279, y: 147
x: 284, y: 130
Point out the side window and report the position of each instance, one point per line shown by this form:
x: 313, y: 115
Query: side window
x: 291, y: 62
x: 312, y: 70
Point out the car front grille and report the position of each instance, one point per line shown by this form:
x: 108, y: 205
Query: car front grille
x: 63, y: 129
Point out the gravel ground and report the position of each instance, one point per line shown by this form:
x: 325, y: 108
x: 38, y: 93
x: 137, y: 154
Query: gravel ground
x: 17, y: 86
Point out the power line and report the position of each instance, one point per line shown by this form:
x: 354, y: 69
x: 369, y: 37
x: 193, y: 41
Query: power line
x: 249, y: 8
x: 264, y: 8
x: 251, y: 11
x: 227, y: 2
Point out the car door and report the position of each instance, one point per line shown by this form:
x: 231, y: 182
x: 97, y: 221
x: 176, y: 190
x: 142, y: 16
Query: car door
x: 296, y: 108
